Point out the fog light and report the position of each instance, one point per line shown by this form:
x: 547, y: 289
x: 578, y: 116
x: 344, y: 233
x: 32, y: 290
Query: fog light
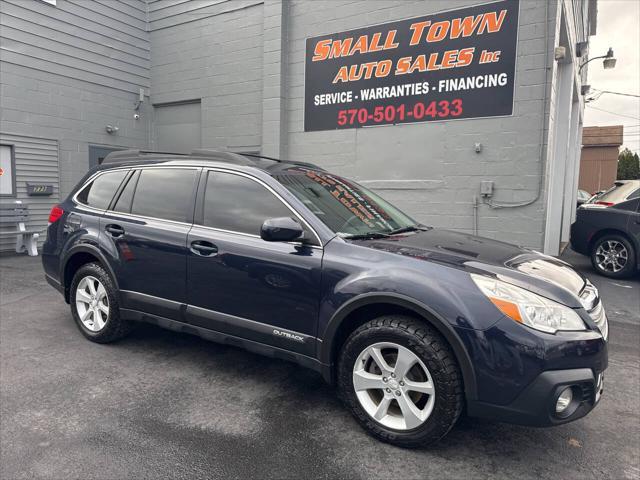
x: 564, y: 400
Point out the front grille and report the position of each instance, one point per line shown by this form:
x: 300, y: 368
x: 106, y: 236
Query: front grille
x: 588, y: 393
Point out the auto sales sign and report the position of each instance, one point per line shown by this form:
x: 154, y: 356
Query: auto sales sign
x: 450, y: 65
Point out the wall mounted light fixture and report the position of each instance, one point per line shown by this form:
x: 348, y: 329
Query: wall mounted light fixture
x: 608, y: 63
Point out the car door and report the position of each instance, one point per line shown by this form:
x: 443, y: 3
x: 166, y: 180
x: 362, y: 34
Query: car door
x: 145, y: 237
x: 241, y: 285
x: 634, y: 229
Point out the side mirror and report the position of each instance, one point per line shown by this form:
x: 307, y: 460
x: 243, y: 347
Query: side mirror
x: 283, y: 229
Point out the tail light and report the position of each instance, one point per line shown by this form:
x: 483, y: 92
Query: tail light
x: 55, y: 214
x: 606, y: 204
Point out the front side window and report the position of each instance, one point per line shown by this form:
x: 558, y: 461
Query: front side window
x: 239, y: 204
x: 165, y: 193
x: 99, y: 193
x: 344, y: 206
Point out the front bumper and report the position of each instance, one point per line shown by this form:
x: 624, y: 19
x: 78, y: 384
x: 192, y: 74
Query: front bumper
x: 535, y: 406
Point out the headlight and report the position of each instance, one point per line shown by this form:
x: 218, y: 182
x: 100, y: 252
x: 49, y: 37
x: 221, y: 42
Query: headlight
x: 528, y: 308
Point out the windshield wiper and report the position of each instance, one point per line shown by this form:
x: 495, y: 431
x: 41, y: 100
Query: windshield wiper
x: 373, y: 235
x: 409, y: 228
x: 365, y: 236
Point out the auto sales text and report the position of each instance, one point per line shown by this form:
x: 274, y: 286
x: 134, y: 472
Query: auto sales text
x: 421, y: 32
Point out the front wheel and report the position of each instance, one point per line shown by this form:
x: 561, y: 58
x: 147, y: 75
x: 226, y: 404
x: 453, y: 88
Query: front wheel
x: 613, y: 256
x: 401, y: 381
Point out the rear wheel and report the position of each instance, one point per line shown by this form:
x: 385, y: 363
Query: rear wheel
x: 94, y: 305
x: 401, y: 381
x: 613, y: 256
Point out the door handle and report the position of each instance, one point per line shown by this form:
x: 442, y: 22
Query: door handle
x: 203, y: 248
x: 114, y: 230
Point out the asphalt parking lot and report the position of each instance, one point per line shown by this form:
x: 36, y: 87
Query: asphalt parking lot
x: 165, y: 405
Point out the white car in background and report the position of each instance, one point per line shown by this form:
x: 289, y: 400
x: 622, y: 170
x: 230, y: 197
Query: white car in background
x: 621, y: 191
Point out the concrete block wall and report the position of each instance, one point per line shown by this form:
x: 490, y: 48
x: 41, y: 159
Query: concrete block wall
x: 431, y: 170
x: 212, y: 52
x: 68, y: 70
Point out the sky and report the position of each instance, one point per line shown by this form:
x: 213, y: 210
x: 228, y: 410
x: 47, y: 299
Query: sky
x: 619, y: 28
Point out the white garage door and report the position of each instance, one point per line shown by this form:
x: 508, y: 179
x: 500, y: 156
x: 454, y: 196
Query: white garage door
x: 178, y: 127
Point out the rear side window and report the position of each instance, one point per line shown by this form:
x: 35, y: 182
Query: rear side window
x: 165, y: 193
x: 630, y: 205
x: 239, y: 204
x: 100, y: 192
x: 620, y: 192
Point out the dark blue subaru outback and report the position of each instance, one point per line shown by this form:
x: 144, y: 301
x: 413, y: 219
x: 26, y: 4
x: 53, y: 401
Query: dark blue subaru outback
x: 413, y: 324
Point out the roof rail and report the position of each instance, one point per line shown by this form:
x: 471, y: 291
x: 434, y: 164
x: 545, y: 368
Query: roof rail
x: 139, y: 155
x: 244, y: 159
x: 133, y: 154
x: 222, y: 156
x: 288, y: 162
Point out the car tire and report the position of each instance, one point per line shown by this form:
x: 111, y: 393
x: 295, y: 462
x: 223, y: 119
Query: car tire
x: 94, y: 305
x: 437, y: 411
x: 608, y: 266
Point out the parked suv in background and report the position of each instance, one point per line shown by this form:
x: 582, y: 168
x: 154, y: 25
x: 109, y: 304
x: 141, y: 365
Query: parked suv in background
x: 621, y: 191
x: 610, y: 236
x: 414, y: 325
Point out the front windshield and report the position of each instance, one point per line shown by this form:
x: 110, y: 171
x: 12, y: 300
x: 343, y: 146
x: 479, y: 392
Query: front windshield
x: 345, y: 207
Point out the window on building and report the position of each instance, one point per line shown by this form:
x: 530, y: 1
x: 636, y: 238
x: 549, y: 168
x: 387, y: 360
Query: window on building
x: 165, y: 193
x: 7, y: 171
x: 99, y: 193
x: 239, y: 204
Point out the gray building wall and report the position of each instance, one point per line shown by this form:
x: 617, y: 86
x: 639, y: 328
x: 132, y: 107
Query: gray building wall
x: 68, y: 71
x: 36, y: 161
x: 431, y: 170
x: 212, y: 52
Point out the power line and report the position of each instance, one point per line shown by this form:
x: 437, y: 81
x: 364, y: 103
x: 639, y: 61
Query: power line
x: 612, y: 113
x: 618, y: 93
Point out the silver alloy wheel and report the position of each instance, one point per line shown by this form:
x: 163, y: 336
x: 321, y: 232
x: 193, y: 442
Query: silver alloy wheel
x: 92, y: 303
x: 393, y: 386
x: 612, y: 256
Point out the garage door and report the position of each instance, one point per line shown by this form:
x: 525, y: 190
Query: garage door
x: 177, y: 127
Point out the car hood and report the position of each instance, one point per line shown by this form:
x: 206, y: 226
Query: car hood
x: 534, y: 271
